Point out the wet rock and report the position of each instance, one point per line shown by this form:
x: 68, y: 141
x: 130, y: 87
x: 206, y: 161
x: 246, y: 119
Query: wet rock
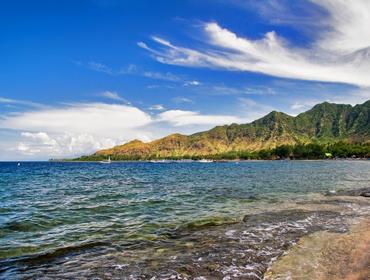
x: 365, y: 192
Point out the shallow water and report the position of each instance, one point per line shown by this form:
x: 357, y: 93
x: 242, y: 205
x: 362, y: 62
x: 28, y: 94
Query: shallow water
x: 179, y: 220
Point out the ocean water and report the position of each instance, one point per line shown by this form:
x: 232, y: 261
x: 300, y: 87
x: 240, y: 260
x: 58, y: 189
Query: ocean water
x: 136, y: 220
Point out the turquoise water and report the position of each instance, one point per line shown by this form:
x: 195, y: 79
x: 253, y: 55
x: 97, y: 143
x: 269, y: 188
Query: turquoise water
x: 69, y: 219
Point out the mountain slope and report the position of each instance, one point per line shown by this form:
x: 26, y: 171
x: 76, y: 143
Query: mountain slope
x: 324, y: 123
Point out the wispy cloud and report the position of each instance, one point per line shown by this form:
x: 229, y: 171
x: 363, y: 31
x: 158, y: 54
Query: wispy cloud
x: 180, y: 99
x: 192, y: 83
x: 135, y: 70
x: 161, y: 76
x: 114, y: 96
x: 244, y: 90
x: 339, y: 53
x: 99, y: 67
x: 5, y: 100
x: 303, y: 15
x: 157, y: 107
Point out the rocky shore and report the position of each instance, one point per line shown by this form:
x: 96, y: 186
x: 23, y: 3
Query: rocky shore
x: 327, y: 256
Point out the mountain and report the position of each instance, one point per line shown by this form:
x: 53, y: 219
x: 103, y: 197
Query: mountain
x: 325, y: 123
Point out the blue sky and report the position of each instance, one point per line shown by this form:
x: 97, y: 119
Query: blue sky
x: 77, y: 76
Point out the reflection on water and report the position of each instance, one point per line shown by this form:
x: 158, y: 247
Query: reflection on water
x: 179, y: 220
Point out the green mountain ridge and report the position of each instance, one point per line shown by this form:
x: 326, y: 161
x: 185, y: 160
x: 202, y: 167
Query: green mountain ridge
x: 325, y: 123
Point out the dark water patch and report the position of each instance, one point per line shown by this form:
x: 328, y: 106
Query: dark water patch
x: 51, y: 255
x: 22, y: 226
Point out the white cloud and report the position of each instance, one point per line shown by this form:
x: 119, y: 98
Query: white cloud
x: 76, y: 129
x: 61, y: 144
x: 162, y: 76
x: 340, y: 53
x: 192, y: 83
x: 40, y: 136
x: 93, y: 118
x: 349, y: 23
x: 183, y: 118
x: 297, y: 106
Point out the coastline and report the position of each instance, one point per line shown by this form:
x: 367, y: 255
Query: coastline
x: 212, y: 160
x: 327, y: 256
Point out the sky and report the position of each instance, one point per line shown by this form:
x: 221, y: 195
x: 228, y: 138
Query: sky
x: 83, y: 75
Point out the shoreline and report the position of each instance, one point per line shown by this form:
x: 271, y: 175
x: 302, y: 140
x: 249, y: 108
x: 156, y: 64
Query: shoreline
x: 211, y: 160
x: 327, y: 256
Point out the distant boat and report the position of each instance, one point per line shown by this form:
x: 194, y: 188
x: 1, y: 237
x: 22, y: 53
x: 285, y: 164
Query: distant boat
x: 205, y: 160
x: 19, y: 164
x: 106, y: 161
x: 161, y: 161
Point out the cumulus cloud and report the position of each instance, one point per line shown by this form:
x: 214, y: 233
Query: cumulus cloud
x: 61, y: 144
x: 340, y: 52
x: 93, y: 118
x: 77, y: 128
x: 83, y: 128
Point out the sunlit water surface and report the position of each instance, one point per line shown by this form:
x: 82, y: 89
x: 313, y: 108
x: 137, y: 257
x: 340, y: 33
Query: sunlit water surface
x: 182, y: 220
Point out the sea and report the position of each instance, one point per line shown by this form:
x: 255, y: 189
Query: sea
x: 168, y: 220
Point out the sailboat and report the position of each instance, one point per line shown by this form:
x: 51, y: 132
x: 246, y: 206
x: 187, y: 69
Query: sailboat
x: 106, y: 161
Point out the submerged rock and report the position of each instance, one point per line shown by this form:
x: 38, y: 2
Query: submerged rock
x: 365, y: 192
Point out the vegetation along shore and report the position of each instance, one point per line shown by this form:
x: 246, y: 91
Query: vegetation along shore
x: 326, y: 131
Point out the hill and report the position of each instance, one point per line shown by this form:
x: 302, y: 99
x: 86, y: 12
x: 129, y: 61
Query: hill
x: 324, y: 124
